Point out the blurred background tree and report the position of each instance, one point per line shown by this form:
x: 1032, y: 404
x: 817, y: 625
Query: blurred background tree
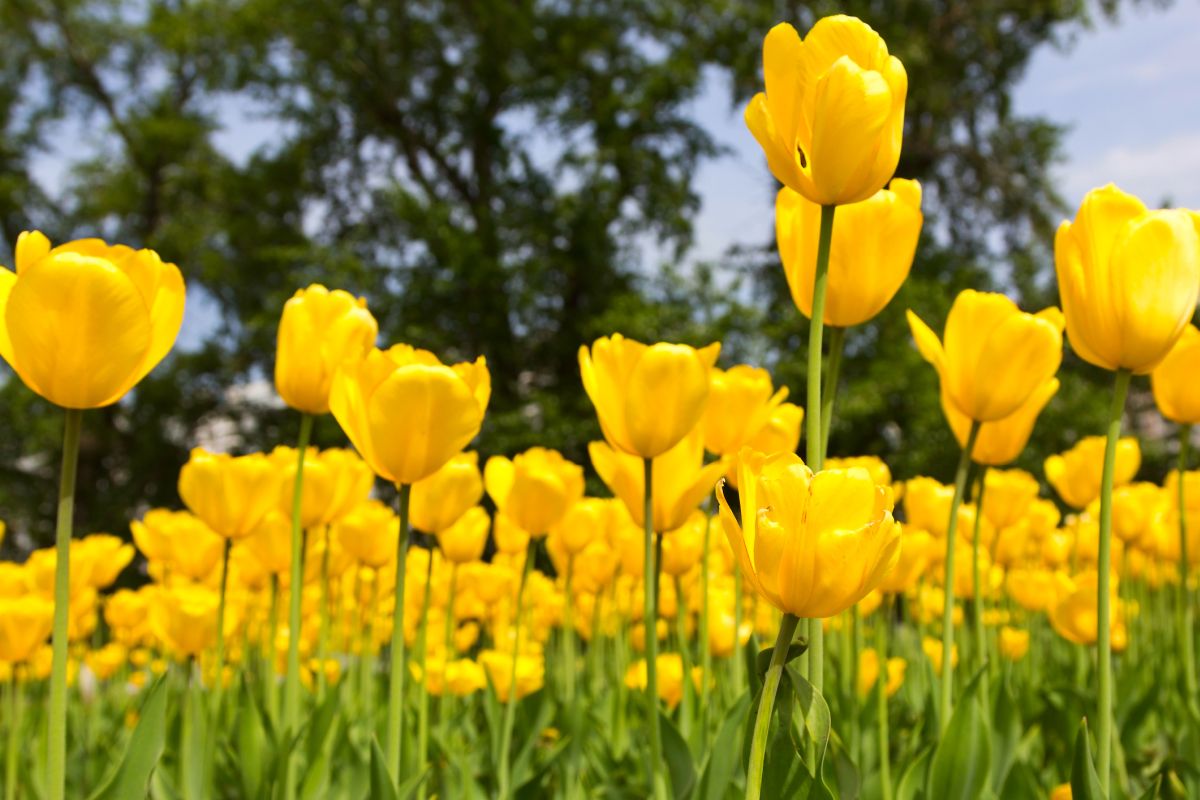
x: 512, y: 179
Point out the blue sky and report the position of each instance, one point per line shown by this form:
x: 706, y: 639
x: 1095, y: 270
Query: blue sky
x: 1130, y: 94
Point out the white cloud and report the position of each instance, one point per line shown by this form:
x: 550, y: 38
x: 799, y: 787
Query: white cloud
x: 1168, y: 168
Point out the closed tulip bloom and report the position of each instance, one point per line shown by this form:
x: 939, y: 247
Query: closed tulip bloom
x: 106, y: 556
x: 591, y: 519
x: 1014, y: 643
x: 868, y: 672
x: 1000, y: 442
x: 1075, y: 474
x: 535, y: 488
x: 741, y: 401
x: 647, y: 397
x: 271, y: 543
x: 439, y: 500
x: 531, y: 672
x: 1036, y: 588
x: 683, y: 547
x: 680, y: 480
x: 927, y: 505
x: 1136, y: 509
x: 463, y: 542
x: 832, y: 118
x: 1074, y: 614
x: 1128, y: 277
x: 231, y: 494
x: 83, y: 322
x: 319, y: 332
x: 780, y: 434
x: 933, y: 651
x: 1008, y: 495
x: 406, y: 413
x: 810, y: 545
x: 870, y: 255
x: 25, y: 622
x: 184, y: 618
x: 1174, y: 380
x: 995, y: 356
x: 369, y: 533
x: 918, y: 549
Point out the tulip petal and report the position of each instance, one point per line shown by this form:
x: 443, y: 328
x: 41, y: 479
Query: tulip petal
x: 32, y: 246
x: 851, y: 108
x: 665, y: 397
x: 498, y: 478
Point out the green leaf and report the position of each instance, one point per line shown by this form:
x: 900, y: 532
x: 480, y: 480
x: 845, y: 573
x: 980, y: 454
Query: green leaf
x: 722, y: 760
x: 1085, y: 783
x: 814, y: 713
x: 408, y: 789
x: 132, y: 776
x: 678, y: 757
x: 915, y: 776
x: 253, y: 744
x: 762, y: 662
x: 382, y: 787
x: 959, y: 770
x: 1006, y: 723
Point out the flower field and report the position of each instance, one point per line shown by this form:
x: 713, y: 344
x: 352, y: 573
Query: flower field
x: 742, y: 611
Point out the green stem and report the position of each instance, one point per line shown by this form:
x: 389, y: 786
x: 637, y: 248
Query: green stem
x: 837, y: 343
x: 766, y: 704
x: 960, y: 488
x: 650, y: 620
x: 1184, y: 611
x: 395, y: 719
x: 816, y: 439
x: 568, y: 637
x: 423, y: 688
x: 738, y: 678
x: 448, y: 650
x: 685, y: 706
x: 291, y: 683
x: 14, y: 733
x: 885, y: 757
x: 270, y: 694
x: 56, y: 757
x: 702, y: 633
x: 323, y: 630
x: 510, y: 707
x: 977, y: 604
x: 366, y: 655
x: 187, y: 765
x: 211, y: 730
x: 1104, y: 613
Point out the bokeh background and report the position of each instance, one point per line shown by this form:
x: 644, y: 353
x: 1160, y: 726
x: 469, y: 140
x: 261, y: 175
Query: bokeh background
x: 515, y: 178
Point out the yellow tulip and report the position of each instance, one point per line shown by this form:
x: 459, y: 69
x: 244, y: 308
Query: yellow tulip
x: 868, y: 672
x: 127, y: 614
x: 1075, y: 474
x: 406, y: 413
x: 271, y: 543
x: 1014, y: 643
x: 995, y: 356
x: 680, y: 480
x: 319, y: 332
x: 810, y: 545
x: 933, y: 651
x: 184, y: 618
x: 780, y: 434
x: 880, y: 472
x: 648, y: 397
x: 832, y: 118
x: 438, y: 501
x: 1136, y: 509
x: 230, y: 494
x: 927, y: 505
x: 683, y: 547
x: 463, y: 542
x: 531, y: 672
x: 1129, y: 279
x: 106, y: 556
x: 596, y: 566
x: 534, y: 489
x: 1061, y: 792
x: 587, y: 521
x: 918, y: 549
x: 178, y: 540
x: 83, y: 322
x: 105, y: 662
x: 335, y: 482
x: 870, y: 255
x: 1074, y: 614
x: 463, y: 677
x: 1000, y: 442
x: 669, y: 667
x: 25, y: 622
x: 369, y: 534
x: 1174, y: 380
x: 1008, y: 495
x: 741, y: 400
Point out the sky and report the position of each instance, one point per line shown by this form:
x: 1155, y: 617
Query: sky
x: 1128, y: 93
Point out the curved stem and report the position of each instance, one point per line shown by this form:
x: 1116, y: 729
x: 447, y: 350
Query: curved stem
x: 326, y: 608
x: 56, y: 757
x: 448, y: 649
x: 650, y: 620
x: 270, y: 692
x: 423, y: 688
x: 702, y: 632
x: 568, y: 636
x: 510, y: 706
x: 766, y: 703
x: 395, y: 720
x: 218, y: 686
x: 837, y: 343
x: 816, y: 439
x: 960, y: 488
x: 885, y: 757
x: 685, y: 658
x: 291, y: 683
x: 15, y: 690
x: 1103, y: 601
x: 977, y: 602
x: 1184, y: 612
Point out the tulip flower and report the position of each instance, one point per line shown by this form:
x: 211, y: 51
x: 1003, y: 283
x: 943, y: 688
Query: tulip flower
x: 868, y: 673
x: 1075, y: 616
x: 1076, y: 474
x: 439, y: 501
x: 1014, y: 643
x: 81, y: 324
x: 1000, y: 442
x: 741, y: 401
x: 1007, y: 496
x: 927, y: 504
x: 917, y: 551
x: 831, y: 120
x: 781, y: 433
x: 535, y: 489
x: 25, y: 622
x: 872, y: 250
x: 230, y: 494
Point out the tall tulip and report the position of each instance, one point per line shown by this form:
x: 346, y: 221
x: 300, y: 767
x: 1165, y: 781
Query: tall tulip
x: 1077, y: 474
x: 1129, y: 279
x: 994, y: 359
x: 647, y: 398
x: 407, y: 414
x: 81, y: 324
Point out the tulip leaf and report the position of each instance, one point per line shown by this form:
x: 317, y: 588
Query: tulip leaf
x: 252, y: 742
x: 678, y: 757
x: 961, y: 762
x: 1085, y: 783
x: 719, y: 769
x: 814, y: 713
x: 132, y: 776
x: 915, y: 776
x: 762, y: 661
x: 1006, y: 723
x: 382, y: 787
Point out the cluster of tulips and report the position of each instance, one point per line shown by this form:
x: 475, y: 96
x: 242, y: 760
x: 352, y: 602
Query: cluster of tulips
x: 296, y: 633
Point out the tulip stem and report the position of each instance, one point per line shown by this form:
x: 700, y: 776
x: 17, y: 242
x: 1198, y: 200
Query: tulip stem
x: 766, y: 705
x: 1184, y: 612
x: 448, y: 650
x: 650, y: 621
x: 977, y: 604
x: 885, y: 757
x: 270, y: 695
x: 702, y: 633
x: 837, y: 343
x: 568, y: 636
x: 14, y: 733
x: 395, y: 720
x: 1103, y: 601
x: 213, y: 727
x: 685, y: 659
x: 56, y: 758
x: 326, y: 609
x: 960, y: 488
x: 816, y: 438
x: 423, y: 689
x: 291, y: 684
x: 510, y: 706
